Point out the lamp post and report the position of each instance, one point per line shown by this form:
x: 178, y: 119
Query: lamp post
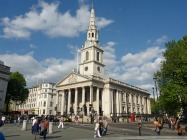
x: 156, y: 91
x: 155, y: 79
x: 154, y: 102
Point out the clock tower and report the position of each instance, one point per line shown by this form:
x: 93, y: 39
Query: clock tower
x: 91, y: 52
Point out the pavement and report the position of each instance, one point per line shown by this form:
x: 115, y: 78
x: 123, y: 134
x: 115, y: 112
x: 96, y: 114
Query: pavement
x: 116, y: 131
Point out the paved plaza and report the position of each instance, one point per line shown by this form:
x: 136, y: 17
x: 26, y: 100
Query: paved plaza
x: 116, y: 131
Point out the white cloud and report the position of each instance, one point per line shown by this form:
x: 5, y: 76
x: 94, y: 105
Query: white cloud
x: 47, y: 18
x: 32, y: 46
x: 51, y: 69
x: 161, y: 40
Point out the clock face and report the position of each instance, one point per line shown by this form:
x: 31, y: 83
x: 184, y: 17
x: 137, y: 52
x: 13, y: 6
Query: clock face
x: 98, y: 68
x: 86, y: 68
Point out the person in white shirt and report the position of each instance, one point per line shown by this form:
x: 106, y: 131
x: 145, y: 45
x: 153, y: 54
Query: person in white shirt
x: 97, y: 132
x: 33, y: 122
x: 61, y: 122
x: 3, y: 119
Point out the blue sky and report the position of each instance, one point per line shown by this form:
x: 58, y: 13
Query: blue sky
x: 39, y: 38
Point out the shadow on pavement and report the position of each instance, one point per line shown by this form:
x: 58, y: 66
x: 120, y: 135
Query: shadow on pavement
x: 12, y: 135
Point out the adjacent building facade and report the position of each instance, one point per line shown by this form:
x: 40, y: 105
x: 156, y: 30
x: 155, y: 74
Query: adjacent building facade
x: 88, y: 90
x: 4, y: 74
x: 41, y: 100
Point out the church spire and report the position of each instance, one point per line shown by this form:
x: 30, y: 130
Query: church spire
x: 92, y: 33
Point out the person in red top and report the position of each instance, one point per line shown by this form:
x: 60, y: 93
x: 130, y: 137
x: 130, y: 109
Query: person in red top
x: 45, y: 127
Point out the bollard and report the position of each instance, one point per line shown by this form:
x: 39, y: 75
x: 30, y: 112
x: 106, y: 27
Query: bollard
x: 24, y: 126
x: 140, y: 126
x: 50, y: 127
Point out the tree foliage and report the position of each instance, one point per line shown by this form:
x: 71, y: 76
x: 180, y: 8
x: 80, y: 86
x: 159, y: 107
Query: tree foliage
x: 16, y: 90
x: 172, y: 77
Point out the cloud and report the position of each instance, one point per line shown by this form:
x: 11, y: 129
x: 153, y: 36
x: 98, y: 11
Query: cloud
x: 161, y: 40
x: 46, y: 18
x: 32, y: 46
x: 51, y: 69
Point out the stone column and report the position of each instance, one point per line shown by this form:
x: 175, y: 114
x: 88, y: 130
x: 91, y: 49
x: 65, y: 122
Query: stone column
x: 50, y: 127
x: 83, y: 99
x: 76, y: 100
x: 130, y: 100
x: 112, y: 103
x: 62, y: 102
x: 136, y: 103
x: 143, y: 102
x: 69, y: 100
x: 140, y: 102
x: 24, y: 127
x: 97, y: 101
x: 117, y: 102
x: 120, y: 102
x: 91, y: 94
x: 148, y: 106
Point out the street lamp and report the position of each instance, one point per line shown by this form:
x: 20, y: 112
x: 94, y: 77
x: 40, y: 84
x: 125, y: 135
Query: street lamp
x: 154, y: 102
x: 155, y: 80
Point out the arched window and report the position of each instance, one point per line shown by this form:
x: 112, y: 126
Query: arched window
x: 92, y: 34
x: 87, y: 55
x: 97, y: 56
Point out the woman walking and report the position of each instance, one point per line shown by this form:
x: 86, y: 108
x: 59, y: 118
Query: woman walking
x: 35, y: 129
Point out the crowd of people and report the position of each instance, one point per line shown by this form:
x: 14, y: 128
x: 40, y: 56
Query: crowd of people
x: 173, y: 124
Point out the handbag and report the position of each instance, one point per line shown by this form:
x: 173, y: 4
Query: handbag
x: 42, y: 133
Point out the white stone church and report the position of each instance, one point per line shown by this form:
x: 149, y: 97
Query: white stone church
x: 88, y: 90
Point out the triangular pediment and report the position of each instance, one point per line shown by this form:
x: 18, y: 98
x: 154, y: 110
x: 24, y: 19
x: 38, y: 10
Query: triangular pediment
x: 73, y: 78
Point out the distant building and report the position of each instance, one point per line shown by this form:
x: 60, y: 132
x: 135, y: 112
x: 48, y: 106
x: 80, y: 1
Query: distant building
x: 89, y: 91
x: 4, y: 74
x: 41, y: 100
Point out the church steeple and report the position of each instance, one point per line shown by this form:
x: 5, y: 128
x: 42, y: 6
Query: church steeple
x: 91, y: 52
x: 92, y: 32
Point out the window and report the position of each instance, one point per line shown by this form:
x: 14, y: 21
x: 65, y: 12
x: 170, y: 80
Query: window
x: 51, y: 96
x: 92, y: 34
x: 44, y: 111
x: 87, y: 55
x: 50, y: 112
x: 97, y: 56
x: 45, y: 96
x: 89, y: 35
x: 51, y: 104
x: 44, y: 103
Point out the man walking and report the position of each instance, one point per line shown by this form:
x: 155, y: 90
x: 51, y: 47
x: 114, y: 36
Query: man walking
x: 45, y: 128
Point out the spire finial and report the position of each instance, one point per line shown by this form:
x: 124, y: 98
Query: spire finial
x: 92, y: 5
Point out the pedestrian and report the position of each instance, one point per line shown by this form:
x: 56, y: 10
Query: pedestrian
x: 180, y: 131
x: 105, y: 125
x: 2, y: 136
x: 96, y: 130
x: 61, y: 122
x: 76, y: 119
x: 35, y: 129
x: 140, y: 125
x: 33, y: 122
x: 18, y: 119
x: 45, y: 128
x: 15, y: 118
x: 3, y: 119
x: 173, y: 124
x: 1, y: 122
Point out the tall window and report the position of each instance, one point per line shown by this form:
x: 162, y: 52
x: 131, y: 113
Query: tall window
x: 44, y: 103
x: 51, y: 104
x: 92, y: 34
x: 44, y: 111
x: 97, y: 56
x: 87, y: 55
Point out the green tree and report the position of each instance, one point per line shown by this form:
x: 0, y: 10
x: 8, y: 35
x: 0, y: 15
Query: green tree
x: 172, y: 77
x: 16, y: 90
